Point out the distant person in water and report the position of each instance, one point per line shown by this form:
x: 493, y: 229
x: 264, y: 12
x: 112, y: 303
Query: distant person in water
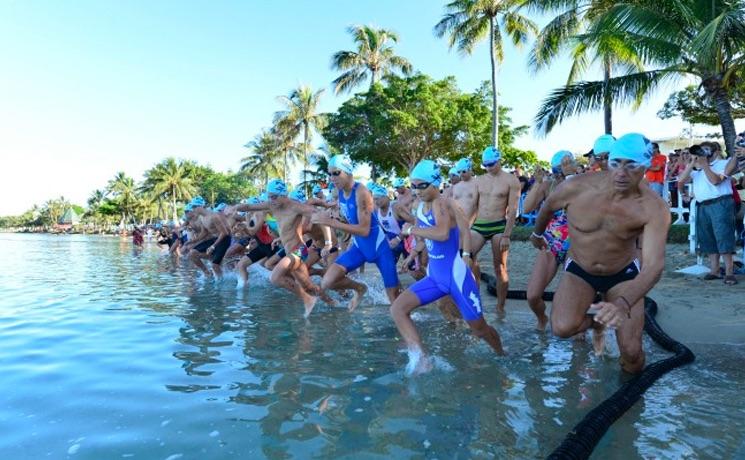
x: 137, y: 237
x: 607, y: 211
x: 445, y: 229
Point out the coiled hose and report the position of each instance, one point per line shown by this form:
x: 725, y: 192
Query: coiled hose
x: 580, y: 442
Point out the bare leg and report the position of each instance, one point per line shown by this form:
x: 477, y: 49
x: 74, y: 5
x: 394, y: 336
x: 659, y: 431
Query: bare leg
x: 714, y: 264
x: 243, y: 265
x: 487, y: 333
x: 568, y: 311
x: 401, y: 313
x: 303, y: 279
x: 217, y: 269
x: 500, y: 269
x: 729, y: 264
x: 629, y: 335
x: 449, y: 310
x: 477, y: 243
x: 281, y: 277
x: 544, y: 270
x: 392, y: 293
x: 336, y: 278
x: 196, y: 258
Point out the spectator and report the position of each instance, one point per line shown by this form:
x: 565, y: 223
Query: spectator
x: 674, y: 168
x: 656, y: 172
x: 715, y: 216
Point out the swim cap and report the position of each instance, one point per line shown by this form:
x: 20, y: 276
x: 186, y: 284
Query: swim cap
x: 298, y: 195
x: 317, y: 189
x: 371, y: 185
x: 490, y: 155
x: 399, y: 183
x: 188, y: 207
x: 253, y: 200
x: 453, y: 172
x: 276, y: 187
x: 342, y: 163
x: 220, y: 207
x: 197, y: 201
x: 464, y: 165
x: 556, y: 160
x: 427, y: 171
x: 634, y: 147
x: 331, y: 187
x: 603, y: 144
x: 263, y: 198
x: 379, y: 191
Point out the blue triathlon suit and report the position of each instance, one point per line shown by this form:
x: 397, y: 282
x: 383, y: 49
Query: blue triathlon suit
x: 447, y: 274
x: 372, y: 248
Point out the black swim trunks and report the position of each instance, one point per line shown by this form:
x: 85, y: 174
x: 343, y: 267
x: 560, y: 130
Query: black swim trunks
x: 262, y: 251
x: 218, y: 253
x: 489, y: 229
x: 603, y: 283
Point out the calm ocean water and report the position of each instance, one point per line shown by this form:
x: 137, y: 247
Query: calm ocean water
x: 107, y: 352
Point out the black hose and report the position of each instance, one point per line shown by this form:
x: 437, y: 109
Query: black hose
x: 580, y: 442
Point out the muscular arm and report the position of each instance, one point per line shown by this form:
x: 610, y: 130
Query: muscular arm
x: 364, y: 215
x: 403, y: 213
x: 252, y: 207
x: 731, y: 166
x: 536, y: 194
x: 464, y: 226
x: 653, y: 256
x: 441, y: 229
x: 713, y: 177
x: 512, y: 201
x: 558, y: 199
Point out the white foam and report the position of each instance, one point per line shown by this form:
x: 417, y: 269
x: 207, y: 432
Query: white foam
x: 214, y: 434
x: 73, y: 449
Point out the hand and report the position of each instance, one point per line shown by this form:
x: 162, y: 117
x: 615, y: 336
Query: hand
x: 539, y: 242
x: 467, y: 260
x: 320, y: 218
x: 406, y: 230
x: 610, y: 314
x: 504, y: 243
x: 407, y: 261
x: 325, y: 251
x: 210, y: 250
x: 393, y: 242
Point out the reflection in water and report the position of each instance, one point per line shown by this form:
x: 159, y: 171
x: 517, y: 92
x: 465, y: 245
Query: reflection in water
x: 122, y: 354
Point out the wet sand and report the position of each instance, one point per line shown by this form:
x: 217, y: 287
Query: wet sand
x: 691, y: 310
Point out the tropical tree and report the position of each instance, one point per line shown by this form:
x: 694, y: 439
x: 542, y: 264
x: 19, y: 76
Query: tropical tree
x: 122, y: 188
x: 693, y: 106
x: 564, y: 34
x: 52, y: 210
x: 171, y: 180
x: 374, y: 58
x: 320, y: 160
x: 700, y: 39
x: 300, y: 118
x: 266, y: 159
x: 468, y: 22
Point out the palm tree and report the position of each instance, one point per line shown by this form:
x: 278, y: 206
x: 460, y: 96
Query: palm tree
x: 320, y: 160
x: 374, y: 58
x: 300, y: 118
x: 703, y: 39
x: 563, y: 33
x: 94, y: 203
x: 469, y: 21
x: 266, y: 158
x: 172, y: 180
x: 122, y: 188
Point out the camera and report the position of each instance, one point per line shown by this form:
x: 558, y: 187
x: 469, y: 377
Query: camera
x: 740, y: 140
x: 699, y: 151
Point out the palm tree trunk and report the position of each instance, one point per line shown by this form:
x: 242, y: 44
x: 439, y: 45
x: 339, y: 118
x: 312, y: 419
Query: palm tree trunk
x: 284, y: 171
x: 607, y: 101
x: 373, y: 77
x: 306, y: 136
x: 175, y: 215
x: 724, y: 110
x: 494, y: 103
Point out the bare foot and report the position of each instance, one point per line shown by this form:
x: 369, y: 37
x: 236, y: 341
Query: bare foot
x: 598, y: 340
x: 357, y: 297
x: 310, y: 302
x: 542, y: 322
x: 419, y: 363
x: 501, y: 313
x: 326, y: 298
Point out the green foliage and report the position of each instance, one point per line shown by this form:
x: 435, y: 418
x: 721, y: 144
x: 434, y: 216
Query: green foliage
x: 219, y: 187
x: 394, y: 126
x: 692, y: 105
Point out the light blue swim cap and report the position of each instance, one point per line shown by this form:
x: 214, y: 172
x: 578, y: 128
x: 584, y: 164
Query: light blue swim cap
x: 188, y: 207
x: 556, y: 160
x: 399, y: 182
x: 464, y: 165
x: 341, y: 162
x: 253, y: 200
x: 276, y: 187
x: 371, y: 185
x: 197, y: 201
x: 453, y: 172
x: 490, y: 155
x: 603, y: 144
x: 317, y: 189
x: 264, y: 197
x: 220, y: 207
x: 427, y: 171
x: 298, y: 195
x: 379, y: 191
x: 634, y: 147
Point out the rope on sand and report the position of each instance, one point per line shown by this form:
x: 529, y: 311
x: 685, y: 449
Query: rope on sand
x: 580, y: 442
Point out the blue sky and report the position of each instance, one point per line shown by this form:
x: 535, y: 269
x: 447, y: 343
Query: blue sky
x: 89, y: 88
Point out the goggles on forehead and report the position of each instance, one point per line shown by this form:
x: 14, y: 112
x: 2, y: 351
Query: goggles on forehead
x: 489, y: 164
x: 628, y: 166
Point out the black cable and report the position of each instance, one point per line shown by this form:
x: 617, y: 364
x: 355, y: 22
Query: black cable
x: 580, y: 442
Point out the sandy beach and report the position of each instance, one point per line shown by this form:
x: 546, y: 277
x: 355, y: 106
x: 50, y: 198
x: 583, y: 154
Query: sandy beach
x: 691, y: 310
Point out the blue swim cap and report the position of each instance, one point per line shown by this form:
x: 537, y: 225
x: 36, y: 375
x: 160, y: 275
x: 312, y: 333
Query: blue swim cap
x: 276, y: 187
x: 197, y: 201
x: 342, y: 163
x: 253, y: 200
x: 427, y: 171
x: 603, y: 144
x: 490, y: 155
x: 188, y: 207
x: 464, y: 165
x: 317, y: 189
x: 331, y: 187
x: 556, y: 160
x: 220, y: 207
x: 453, y: 172
x: 634, y: 147
x: 298, y: 195
x: 263, y: 198
x: 371, y: 185
x: 399, y: 183
x: 379, y: 191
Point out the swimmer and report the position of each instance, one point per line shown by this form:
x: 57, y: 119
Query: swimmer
x: 453, y: 178
x: 369, y: 242
x: 213, y: 239
x: 547, y: 263
x: 606, y: 213
x: 445, y: 229
x: 498, y: 195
